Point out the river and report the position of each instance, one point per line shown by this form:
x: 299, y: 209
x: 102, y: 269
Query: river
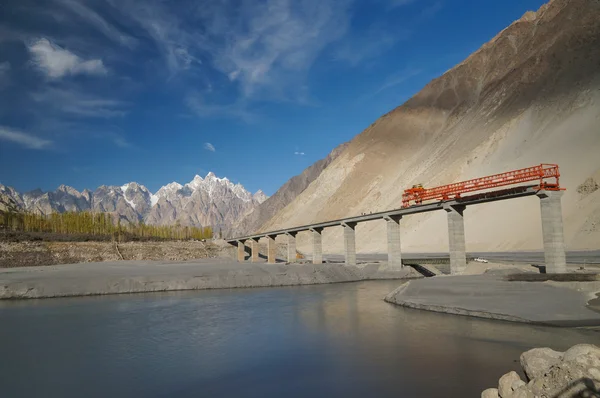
x: 307, y: 341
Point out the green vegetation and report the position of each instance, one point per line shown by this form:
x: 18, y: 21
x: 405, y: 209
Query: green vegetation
x: 97, y: 224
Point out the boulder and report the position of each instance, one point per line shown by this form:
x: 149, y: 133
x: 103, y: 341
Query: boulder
x: 581, y: 349
x: 569, y: 379
x: 517, y: 384
x: 538, y: 361
x: 575, y: 373
x: 506, y: 382
x: 490, y: 393
x: 522, y: 392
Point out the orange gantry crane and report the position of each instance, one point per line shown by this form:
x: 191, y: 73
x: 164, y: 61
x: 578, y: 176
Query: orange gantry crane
x: 542, y: 173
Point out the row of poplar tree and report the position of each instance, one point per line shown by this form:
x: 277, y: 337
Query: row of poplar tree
x: 98, y: 224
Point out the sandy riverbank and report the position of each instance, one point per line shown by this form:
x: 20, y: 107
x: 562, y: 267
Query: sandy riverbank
x: 153, y: 276
x: 493, y: 296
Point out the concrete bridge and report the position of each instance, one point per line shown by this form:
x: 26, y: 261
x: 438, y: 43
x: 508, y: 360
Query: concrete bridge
x: 552, y: 229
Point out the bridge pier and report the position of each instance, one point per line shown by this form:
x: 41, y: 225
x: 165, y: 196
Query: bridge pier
x: 254, y: 247
x: 291, y: 247
x: 271, y: 249
x: 456, y: 238
x: 350, y: 242
x: 393, y: 241
x: 552, y: 231
x: 317, y: 244
x: 241, y: 251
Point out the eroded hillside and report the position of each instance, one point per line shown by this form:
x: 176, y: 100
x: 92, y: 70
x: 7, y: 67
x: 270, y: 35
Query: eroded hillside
x: 531, y: 95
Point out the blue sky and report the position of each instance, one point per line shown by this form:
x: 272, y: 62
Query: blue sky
x: 99, y: 92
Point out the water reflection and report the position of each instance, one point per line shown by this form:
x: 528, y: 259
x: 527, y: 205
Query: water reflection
x: 335, y: 340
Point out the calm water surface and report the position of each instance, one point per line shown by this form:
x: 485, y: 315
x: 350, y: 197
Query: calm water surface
x: 312, y: 341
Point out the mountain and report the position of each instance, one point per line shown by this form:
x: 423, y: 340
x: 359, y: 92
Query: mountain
x: 284, y: 195
x: 201, y: 202
x: 531, y: 95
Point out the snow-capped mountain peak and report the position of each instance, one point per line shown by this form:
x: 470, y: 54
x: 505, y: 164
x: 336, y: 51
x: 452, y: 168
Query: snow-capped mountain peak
x: 211, y: 200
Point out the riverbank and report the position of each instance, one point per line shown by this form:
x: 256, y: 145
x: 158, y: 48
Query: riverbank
x: 495, y: 296
x: 159, y: 276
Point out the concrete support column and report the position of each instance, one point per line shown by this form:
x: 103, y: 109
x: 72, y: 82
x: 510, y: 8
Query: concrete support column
x: 241, y: 251
x: 552, y: 230
x: 271, y: 249
x: 456, y: 238
x: 254, y: 248
x: 393, y: 241
x: 350, y: 243
x: 317, y: 245
x: 291, y: 249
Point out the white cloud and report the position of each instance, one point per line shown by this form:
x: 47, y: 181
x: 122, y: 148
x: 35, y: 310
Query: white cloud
x: 76, y: 103
x: 209, y: 147
x: 24, y: 139
x: 299, y: 153
x: 56, y: 62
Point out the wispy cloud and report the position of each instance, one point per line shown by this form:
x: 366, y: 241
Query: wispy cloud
x: 56, y: 62
x: 24, y: 139
x: 398, y: 3
x: 391, y: 81
x: 75, y: 103
x: 177, y: 44
x: 121, y: 142
x: 431, y: 10
x: 261, y: 47
x: 272, y: 43
x: 98, y: 22
x: 299, y: 153
x: 209, y: 147
x: 4, y: 71
x: 396, y: 79
x: 200, y: 107
x: 370, y: 44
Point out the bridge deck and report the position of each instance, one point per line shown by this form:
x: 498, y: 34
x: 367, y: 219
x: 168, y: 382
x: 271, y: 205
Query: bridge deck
x: 485, y: 197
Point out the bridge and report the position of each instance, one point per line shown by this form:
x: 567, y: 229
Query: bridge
x: 455, y: 208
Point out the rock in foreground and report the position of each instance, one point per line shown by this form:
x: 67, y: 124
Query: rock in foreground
x: 574, y: 373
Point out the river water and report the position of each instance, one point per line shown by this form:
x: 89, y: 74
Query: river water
x: 308, y: 341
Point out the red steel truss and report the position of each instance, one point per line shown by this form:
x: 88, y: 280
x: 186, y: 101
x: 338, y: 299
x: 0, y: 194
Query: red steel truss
x: 542, y: 172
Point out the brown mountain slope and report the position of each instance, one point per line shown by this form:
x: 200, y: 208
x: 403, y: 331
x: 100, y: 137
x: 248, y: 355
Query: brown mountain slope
x: 530, y: 95
x: 284, y: 195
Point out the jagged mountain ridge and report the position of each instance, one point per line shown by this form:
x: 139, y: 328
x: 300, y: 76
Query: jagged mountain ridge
x: 208, y: 201
x: 531, y: 95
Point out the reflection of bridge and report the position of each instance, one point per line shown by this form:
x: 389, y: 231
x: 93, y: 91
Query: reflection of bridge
x: 552, y: 227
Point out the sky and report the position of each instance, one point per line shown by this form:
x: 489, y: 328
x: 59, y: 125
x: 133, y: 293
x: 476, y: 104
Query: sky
x: 104, y: 92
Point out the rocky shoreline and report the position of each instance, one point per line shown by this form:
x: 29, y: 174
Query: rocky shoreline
x: 549, y: 373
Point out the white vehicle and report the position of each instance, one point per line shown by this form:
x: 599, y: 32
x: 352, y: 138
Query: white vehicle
x: 480, y: 260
